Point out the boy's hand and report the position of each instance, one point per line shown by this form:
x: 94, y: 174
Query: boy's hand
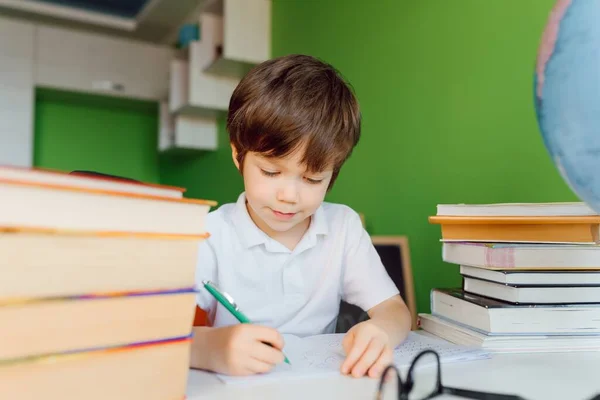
x: 368, y: 350
x: 241, y: 349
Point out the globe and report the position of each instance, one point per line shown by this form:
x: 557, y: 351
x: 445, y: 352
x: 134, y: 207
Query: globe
x: 567, y: 95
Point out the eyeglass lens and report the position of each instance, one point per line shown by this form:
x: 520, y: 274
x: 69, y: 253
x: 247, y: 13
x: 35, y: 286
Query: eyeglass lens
x: 424, y: 376
x: 390, y: 385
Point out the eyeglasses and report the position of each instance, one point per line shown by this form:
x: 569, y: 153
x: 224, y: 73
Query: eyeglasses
x: 428, y: 386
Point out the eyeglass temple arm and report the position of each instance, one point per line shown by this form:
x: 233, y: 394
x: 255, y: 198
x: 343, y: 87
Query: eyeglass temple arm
x: 476, y: 395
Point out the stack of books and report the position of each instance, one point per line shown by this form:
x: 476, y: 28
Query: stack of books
x: 97, y: 293
x: 530, y: 273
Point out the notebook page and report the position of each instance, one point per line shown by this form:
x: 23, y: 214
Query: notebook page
x: 448, y: 352
x: 311, y: 356
x: 323, y: 355
x: 326, y: 351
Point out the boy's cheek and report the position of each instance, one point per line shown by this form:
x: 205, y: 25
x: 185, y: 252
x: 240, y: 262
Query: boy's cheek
x: 257, y: 184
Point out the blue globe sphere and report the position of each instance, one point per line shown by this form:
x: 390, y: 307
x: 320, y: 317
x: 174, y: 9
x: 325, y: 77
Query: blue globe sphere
x: 567, y: 95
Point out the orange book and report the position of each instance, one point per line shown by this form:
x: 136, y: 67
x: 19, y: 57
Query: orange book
x: 543, y: 229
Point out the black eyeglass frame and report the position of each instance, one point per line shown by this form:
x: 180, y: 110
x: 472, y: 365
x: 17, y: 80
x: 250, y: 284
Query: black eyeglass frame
x: 405, y: 387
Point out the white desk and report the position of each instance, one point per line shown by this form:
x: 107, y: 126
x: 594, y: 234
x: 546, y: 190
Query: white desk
x: 543, y: 376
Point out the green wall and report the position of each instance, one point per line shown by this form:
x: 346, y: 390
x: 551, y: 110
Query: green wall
x: 119, y: 136
x: 209, y: 175
x: 446, y: 93
x: 104, y: 134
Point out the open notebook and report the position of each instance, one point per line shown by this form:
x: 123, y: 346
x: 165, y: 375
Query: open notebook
x: 323, y: 354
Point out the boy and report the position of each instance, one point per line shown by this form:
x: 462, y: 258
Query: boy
x: 284, y: 255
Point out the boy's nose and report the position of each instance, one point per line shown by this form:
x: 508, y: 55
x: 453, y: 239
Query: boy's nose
x: 288, y: 193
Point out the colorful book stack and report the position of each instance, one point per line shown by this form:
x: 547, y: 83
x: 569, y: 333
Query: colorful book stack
x: 531, y: 277
x: 97, y: 293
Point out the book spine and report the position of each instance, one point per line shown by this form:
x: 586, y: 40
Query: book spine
x: 542, y: 233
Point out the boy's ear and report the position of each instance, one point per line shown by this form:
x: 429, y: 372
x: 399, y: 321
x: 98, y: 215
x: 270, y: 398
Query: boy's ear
x: 234, y: 154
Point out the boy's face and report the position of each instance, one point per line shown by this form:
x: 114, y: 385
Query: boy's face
x: 281, y: 193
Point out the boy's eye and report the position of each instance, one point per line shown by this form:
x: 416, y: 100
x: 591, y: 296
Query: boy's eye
x: 313, y: 181
x: 269, y: 173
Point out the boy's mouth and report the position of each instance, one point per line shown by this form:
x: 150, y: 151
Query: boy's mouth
x: 283, y: 216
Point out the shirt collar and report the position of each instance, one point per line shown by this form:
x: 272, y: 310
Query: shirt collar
x: 251, y: 235
x: 318, y: 224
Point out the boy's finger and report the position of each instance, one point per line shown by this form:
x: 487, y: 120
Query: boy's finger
x: 267, y: 354
x: 347, y: 341
x: 255, y: 366
x: 359, y: 346
x: 369, y: 357
x: 386, y: 358
x: 268, y: 335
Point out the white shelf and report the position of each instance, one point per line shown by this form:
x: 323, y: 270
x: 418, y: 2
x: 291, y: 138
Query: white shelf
x: 224, y: 67
x: 236, y: 35
x: 196, y: 92
x: 185, y: 133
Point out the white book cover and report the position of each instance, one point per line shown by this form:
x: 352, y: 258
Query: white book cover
x: 465, y: 336
x: 517, y: 209
x: 495, y: 317
x: 522, y: 255
x: 42, y: 176
x: 533, y: 294
x: 533, y: 277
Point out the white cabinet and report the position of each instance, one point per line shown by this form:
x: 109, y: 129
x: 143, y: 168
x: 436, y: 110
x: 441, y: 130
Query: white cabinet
x: 16, y: 92
x: 196, y: 92
x: 247, y: 30
x: 237, y: 34
x: 82, y: 61
x: 185, y: 133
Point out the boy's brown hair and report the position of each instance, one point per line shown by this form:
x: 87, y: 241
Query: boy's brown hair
x: 293, y: 101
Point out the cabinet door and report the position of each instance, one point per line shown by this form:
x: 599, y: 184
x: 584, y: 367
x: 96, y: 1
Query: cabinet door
x: 208, y: 90
x: 247, y: 30
x: 62, y: 59
x: 81, y: 61
x: 148, y: 72
x: 130, y: 68
x: 16, y: 92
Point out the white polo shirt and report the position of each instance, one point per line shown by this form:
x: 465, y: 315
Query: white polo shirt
x: 298, y: 292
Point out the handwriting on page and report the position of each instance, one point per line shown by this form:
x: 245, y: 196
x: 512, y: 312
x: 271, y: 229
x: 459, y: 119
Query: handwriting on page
x: 448, y: 352
x: 325, y: 351
x: 315, y: 359
x: 324, y: 354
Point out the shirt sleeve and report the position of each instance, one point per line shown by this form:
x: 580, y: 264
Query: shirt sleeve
x: 366, y: 282
x: 206, y: 269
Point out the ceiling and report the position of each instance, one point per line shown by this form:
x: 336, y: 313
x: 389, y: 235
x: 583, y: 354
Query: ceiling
x: 156, y: 21
x: 121, y: 8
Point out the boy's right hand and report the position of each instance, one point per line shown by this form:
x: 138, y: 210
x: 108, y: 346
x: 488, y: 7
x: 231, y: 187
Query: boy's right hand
x: 241, y: 349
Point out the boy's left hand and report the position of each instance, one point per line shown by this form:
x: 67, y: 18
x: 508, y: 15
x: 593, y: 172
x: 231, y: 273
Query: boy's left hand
x: 368, y: 350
